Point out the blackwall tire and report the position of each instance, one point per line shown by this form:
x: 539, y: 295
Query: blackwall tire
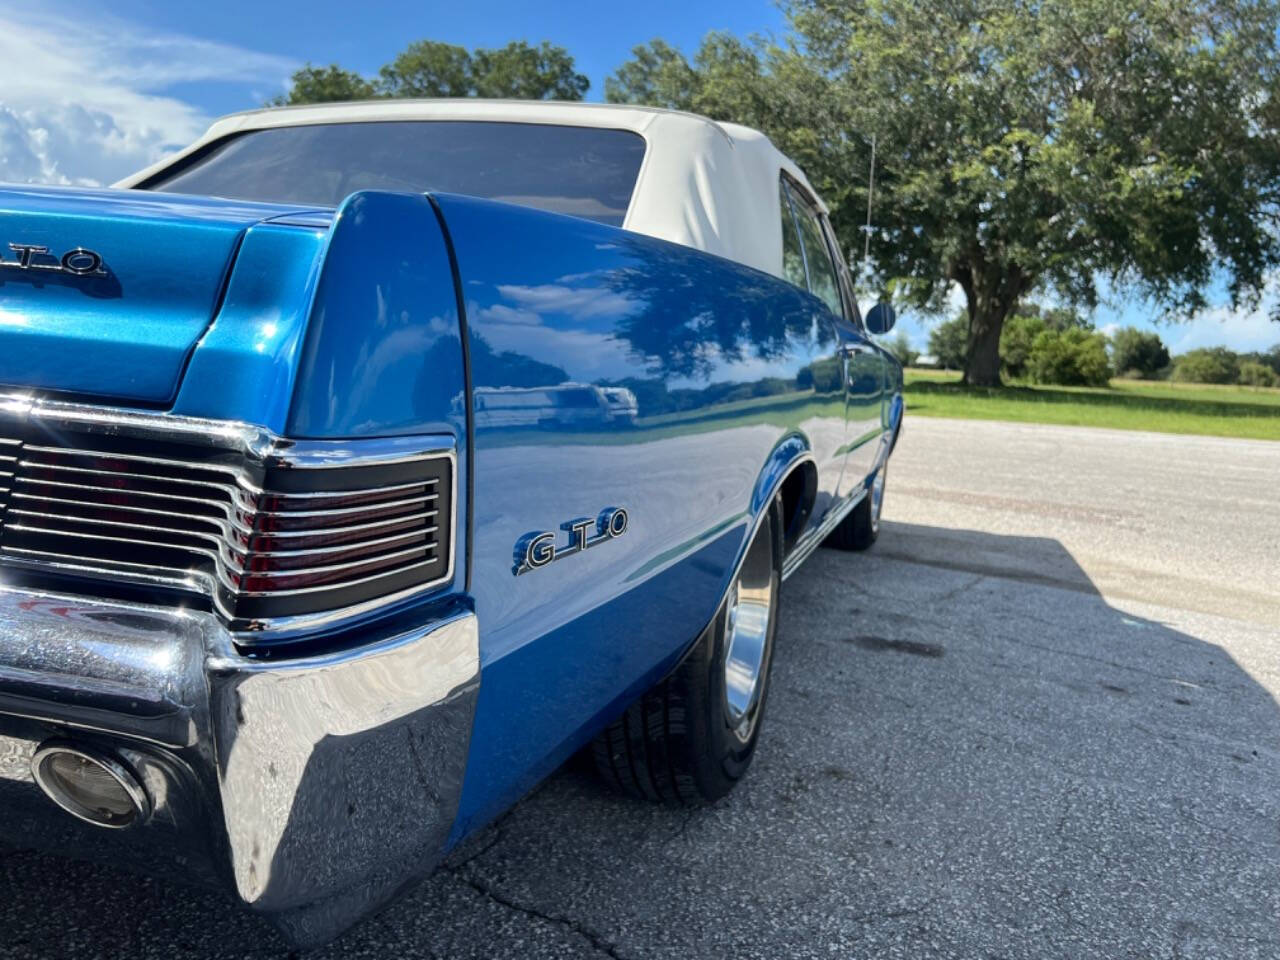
x: 692, y: 737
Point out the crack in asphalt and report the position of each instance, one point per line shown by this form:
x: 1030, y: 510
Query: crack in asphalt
x: 1067, y: 799
x: 498, y: 837
x: 895, y: 914
x: 683, y: 828
x: 956, y: 591
x: 596, y: 940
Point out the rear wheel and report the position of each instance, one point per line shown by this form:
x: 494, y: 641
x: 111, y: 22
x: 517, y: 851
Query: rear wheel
x: 692, y: 737
x: 858, y: 531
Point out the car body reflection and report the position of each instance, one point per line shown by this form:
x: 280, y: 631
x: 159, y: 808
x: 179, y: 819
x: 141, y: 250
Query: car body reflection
x: 555, y: 405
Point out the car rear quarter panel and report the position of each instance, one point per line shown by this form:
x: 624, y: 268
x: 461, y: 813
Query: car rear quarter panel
x: 731, y: 370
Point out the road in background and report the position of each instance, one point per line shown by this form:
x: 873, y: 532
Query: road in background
x: 1038, y: 719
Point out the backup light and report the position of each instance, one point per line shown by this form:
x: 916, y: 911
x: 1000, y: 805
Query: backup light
x: 89, y: 785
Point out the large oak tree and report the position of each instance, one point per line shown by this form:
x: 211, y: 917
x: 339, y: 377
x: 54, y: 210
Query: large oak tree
x: 1021, y: 146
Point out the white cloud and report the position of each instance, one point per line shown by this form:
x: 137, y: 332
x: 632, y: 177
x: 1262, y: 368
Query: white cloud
x: 590, y: 355
x: 582, y: 303
x: 502, y: 313
x: 1241, y: 330
x: 84, y: 100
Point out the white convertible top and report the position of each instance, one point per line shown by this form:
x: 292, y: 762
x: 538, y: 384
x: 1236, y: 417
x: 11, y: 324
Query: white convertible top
x: 713, y: 186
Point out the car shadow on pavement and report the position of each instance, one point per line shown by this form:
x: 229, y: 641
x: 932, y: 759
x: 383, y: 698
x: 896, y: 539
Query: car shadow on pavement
x: 969, y: 752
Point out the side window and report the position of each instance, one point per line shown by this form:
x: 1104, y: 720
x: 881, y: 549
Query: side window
x: 846, y: 280
x: 822, y: 272
x: 792, y: 257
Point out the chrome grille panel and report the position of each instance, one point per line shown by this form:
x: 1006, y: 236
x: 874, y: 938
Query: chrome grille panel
x: 9, y: 450
x: 280, y: 543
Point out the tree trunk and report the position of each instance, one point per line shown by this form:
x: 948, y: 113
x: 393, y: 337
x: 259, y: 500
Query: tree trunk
x: 982, y: 359
x: 990, y: 292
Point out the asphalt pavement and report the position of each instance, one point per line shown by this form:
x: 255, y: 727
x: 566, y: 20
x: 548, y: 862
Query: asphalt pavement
x: 1038, y: 719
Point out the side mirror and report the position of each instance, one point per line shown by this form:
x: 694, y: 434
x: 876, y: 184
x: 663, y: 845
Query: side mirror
x: 880, y: 319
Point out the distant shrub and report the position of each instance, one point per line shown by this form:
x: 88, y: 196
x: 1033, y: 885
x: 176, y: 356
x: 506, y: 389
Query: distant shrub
x: 1019, y: 333
x: 900, y: 347
x: 949, y: 342
x: 1207, y: 365
x: 1138, y: 353
x: 1255, y: 374
x: 1268, y: 358
x: 1072, y: 357
x: 1132, y: 374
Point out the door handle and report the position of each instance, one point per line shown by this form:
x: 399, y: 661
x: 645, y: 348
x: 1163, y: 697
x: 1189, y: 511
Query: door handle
x: 851, y: 349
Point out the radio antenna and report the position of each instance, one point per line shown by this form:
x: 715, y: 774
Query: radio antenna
x: 871, y: 190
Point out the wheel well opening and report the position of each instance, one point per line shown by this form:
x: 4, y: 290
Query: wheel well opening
x: 799, y: 490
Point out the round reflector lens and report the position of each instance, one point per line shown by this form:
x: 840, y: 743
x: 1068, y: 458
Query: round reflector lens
x: 89, y: 785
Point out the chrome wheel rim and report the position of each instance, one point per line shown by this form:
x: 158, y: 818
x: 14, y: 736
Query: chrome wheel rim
x: 747, y: 620
x: 877, y: 497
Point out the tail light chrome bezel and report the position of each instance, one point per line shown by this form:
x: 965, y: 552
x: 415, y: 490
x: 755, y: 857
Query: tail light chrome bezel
x: 246, y: 455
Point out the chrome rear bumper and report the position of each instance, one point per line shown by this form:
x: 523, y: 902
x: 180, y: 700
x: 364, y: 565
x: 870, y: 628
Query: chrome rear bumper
x: 313, y: 789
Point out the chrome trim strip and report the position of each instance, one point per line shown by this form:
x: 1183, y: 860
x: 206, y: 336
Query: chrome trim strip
x: 35, y: 481
x: 134, y: 457
x: 226, y: 487
x: 98, y: 522
x: 346, y: 511
x: 242, y: 438
x: 78, y: 535
x: 355, y: 527
x: 192, y: 581
x: 323, y: 454
x: 223, y: 523
x: 416, y: 532
x: 301, y: 591
x: 301, y: 624
x: 220, y: 486
x: 363, y: 491
x: 805, y: 547
x: 332, y: 568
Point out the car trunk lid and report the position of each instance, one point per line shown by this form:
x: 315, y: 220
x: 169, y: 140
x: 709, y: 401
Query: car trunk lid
x: 104, y: 293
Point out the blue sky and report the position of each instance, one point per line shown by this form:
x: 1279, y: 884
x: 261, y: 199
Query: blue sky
x: 87, y: 98
x: 364, y: 36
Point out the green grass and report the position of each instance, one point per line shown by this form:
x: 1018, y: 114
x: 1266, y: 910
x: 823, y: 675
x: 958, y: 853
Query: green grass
x: 1228, y: 411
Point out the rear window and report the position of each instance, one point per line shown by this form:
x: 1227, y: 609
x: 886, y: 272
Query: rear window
x: 581, y: 171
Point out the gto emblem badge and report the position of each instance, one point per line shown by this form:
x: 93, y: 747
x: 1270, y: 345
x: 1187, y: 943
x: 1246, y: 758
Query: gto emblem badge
x: 539, y: 549
x: 32, y: 256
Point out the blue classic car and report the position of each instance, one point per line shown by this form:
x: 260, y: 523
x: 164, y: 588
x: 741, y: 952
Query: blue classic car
x: 361, y: 463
